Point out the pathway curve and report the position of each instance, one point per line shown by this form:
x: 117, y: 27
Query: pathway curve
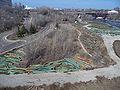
x: 82, y: 44
x: 87, y: 26
x: 7, y: 45
x: 73, y: 77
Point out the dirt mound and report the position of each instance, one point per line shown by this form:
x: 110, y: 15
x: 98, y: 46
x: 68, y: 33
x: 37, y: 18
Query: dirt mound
x: 116, y: 47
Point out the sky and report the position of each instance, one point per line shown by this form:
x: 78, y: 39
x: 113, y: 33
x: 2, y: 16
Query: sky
x: 98, y: 4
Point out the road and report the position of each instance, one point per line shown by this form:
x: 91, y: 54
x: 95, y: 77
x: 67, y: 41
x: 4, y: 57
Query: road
x: 73, y: 77
x: 7, y: 45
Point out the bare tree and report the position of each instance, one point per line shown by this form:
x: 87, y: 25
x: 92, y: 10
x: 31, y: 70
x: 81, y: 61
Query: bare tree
x: 56, y: 45
x: 11, y: 17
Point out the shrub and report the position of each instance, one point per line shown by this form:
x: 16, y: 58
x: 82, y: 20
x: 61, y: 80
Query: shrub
x: 19, y: 34
x: 23, y: 30
x: 32, y: 29
x: 57, y: 25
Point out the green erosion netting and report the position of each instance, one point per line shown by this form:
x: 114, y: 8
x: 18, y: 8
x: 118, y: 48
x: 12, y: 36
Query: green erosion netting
x: 108, y: 31
x: 9, y: 61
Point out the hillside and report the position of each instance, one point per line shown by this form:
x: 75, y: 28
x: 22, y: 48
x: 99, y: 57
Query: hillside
x: 53, y: 44
x: 63, y: 42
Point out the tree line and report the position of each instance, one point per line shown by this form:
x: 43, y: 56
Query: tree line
x: 22, y: 31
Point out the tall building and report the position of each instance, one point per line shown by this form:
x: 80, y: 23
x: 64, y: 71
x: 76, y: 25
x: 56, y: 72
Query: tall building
x: 5, y: 3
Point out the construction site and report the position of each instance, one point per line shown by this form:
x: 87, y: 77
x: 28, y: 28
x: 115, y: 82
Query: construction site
x: 59, y: 49
x: 11, y: 61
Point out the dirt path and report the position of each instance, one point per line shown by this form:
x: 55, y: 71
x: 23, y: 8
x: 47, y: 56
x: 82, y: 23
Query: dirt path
x: 87, y: 26
x: 82, y: 44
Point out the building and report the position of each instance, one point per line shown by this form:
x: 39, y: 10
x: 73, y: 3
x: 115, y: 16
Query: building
x: 5, y: 3
x: 113, y: 12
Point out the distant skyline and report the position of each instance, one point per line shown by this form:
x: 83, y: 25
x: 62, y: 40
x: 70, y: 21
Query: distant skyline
x: 98, y: 4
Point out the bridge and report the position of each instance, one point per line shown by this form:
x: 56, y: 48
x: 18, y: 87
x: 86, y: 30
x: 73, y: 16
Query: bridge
x: 98, y: 14
x: 95, y: 14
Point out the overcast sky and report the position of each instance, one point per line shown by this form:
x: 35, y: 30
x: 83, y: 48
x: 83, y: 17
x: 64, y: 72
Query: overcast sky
x: 99, y: 4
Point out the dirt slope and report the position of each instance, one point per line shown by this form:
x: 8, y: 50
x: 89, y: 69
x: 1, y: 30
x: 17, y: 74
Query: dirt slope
x: 94, y: 44
x: 116, y: 47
